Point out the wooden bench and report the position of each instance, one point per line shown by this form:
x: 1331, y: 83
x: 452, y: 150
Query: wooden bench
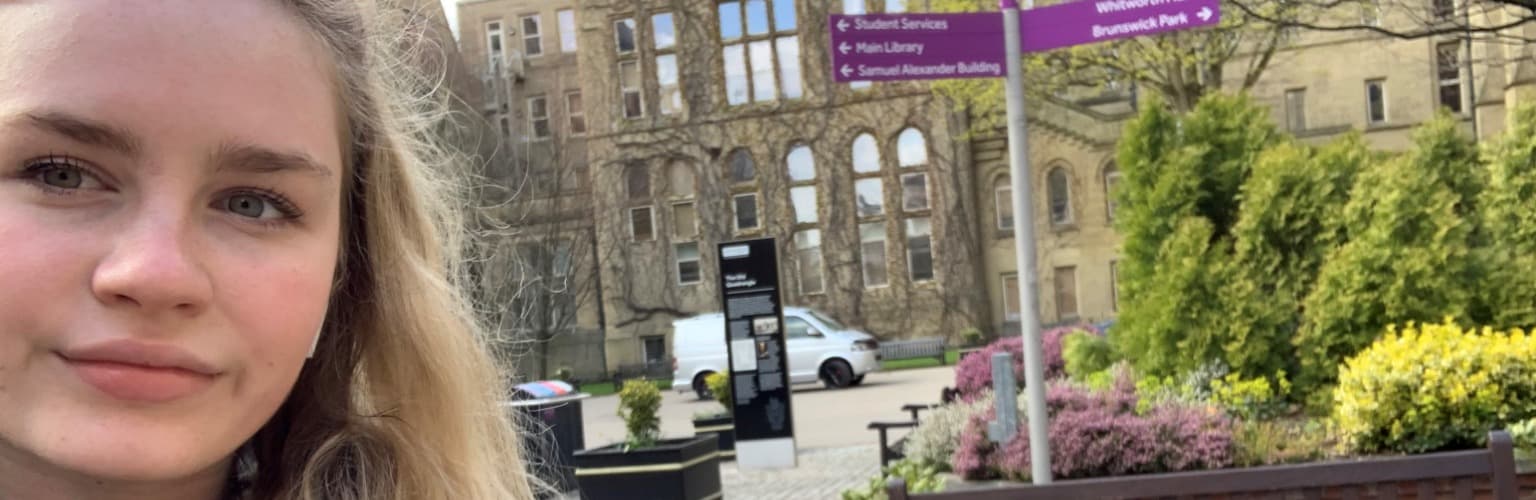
x: 1460, y: 475
x: 913, y: 349
x: 896, y: 451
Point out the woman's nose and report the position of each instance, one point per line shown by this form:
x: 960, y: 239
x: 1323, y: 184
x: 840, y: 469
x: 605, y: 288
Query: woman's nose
x: 154, y: 264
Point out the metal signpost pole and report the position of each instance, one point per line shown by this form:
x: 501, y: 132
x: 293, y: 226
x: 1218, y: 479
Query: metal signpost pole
x: 1024, y: 241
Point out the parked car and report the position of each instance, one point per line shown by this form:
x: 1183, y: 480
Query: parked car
x: 819, y: 348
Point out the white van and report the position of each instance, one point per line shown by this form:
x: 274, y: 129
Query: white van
x: 819, y: 348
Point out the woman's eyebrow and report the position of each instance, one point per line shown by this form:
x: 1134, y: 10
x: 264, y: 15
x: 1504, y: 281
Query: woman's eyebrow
x: 250, y: 158
x: 86, y: 131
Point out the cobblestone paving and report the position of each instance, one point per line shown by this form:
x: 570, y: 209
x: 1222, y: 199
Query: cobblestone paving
x: 822, y: 475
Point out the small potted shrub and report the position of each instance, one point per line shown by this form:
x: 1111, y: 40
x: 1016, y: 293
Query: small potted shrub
x: 718, y: 422
x: 664, y: 469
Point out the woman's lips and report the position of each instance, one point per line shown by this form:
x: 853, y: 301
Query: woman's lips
x: 132, y: 370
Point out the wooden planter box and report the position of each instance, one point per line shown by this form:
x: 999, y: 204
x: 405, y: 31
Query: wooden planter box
x: 724, y: 430
x: 674, y: 469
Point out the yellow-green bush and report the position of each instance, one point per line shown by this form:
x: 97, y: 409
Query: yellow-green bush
x: 1251, y: 399
x: 1434, y: 387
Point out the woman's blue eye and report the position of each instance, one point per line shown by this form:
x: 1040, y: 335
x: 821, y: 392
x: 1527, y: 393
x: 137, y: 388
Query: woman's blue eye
x: 63, y: 178
x: 253, y: 206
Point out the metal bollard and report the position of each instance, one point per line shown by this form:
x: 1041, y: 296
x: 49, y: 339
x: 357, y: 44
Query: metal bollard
x: 1004, y: 387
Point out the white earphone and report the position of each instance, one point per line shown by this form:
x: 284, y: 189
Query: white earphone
x: 318, y: 331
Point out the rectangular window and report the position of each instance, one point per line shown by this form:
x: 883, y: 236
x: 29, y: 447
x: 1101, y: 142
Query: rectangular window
x: 1376, y: 101
x: 735, y: 74
x: 506, y: 126
x: 757, y: 17
x: 663, y: 31
x: 784, y: 15
x: 666, y: 82
x: 1296, y: 109
x: 1111, y: 180
x: 655, y: 350
x: 914, y: 192
x: 640, y: 224
x: 763, y: 85
x: 493, y: 42
x: 789, y: 66
x: 567, y: 20
x: 920, y: 249
x: 685, y: 221
x: 803, y: 198
x: 1004, y: 201
x: 687, y: 263
x: 808, y: 253
x: 629, y: 89
x: 538, y: 117
x: 533, y: 43
x: 1114, y: 285
x: 1011, y: 297
x: 1448, y: 69
x: 872, y: 252
x: 575, y: 114
x: 746, y: 212
x: 624, y: 35
x: 1066, y: 292
x: 895, y: 6
x: 730, y: 20
x: 870, y: 197
x: 851, y: 7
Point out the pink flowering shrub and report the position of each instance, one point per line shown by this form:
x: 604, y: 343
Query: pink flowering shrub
x: 1100, y: 433
x: 973, y: 373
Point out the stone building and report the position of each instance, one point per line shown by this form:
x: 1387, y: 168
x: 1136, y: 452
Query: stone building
x: 687, y: 123
x: 537, y: 203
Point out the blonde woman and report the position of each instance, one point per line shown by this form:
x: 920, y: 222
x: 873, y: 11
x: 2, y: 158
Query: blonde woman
x: 225, y: 263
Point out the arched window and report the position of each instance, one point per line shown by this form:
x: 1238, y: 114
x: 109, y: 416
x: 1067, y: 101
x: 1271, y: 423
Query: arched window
x: 742, y: 169
x: 802, y: 176
x: 1002, y: 199
x: 802, y: 167
x: 911, y: 148
x: 1059, y: 194
x: 866, y: 154
x: 1111, y: 179
x: 637, y: 182
x: 680, y: 180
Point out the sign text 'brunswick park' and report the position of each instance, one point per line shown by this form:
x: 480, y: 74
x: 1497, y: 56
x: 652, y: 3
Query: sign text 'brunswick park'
x: 887, y: 47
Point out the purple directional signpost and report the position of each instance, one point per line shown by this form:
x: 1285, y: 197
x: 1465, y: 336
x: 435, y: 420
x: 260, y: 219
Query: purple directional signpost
x: 893, y: 47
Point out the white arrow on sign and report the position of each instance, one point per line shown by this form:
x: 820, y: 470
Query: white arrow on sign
x: 842, y: 25
x: 847, y: 71
x: 843, y: 48
x: 1204, y: 14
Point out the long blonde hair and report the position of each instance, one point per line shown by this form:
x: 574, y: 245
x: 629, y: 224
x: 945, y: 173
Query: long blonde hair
x: 402, y: 398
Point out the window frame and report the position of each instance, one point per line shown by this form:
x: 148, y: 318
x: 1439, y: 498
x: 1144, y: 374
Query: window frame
x: 574, y: 113
x: 1442, y: 83
x: 999, y: 201
x: 694, y: 232
x: 1069, y: 217
x: 911, y: 254
x: 537, y: 38
x: 1111, y: 178
x: 1380, y: 85
x: 800, y: 264
x: 885, y: 255
x: 757, y: 212
x: 1057, y: 291
x: 650, y: 214
x: 634, y: 36
x: 493, y: 55
x: 697, y: 261
x: 775, y: 42
x: 638, y: 90
x: 1017, y: 314
x: 569, y: 42
x: 927, y: 193
x: 1296, y: 109
x: 533, y: 121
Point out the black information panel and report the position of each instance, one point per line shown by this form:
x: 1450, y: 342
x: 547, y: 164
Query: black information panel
x: 749, y: 284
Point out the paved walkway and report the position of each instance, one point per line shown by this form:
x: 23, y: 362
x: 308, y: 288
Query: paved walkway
x: 822, y: 474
